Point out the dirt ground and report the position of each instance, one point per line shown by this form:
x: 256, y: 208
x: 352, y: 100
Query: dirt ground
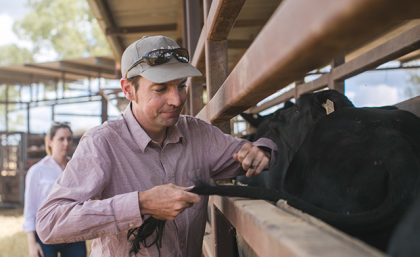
x: 13, y: 241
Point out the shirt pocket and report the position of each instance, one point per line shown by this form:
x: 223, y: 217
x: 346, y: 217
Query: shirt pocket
x: 189, y: 179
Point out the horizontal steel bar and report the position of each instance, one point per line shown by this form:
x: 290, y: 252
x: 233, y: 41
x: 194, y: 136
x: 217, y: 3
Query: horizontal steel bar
x: 279, y: 55
x: 399, y: 46
x: 278, y: 100
x: 118, y: 31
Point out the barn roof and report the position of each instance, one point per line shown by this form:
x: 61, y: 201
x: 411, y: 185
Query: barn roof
x: 125, y: 21
x: 70, y: 70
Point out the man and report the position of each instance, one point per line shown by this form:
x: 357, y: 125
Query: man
x: 144, y: 162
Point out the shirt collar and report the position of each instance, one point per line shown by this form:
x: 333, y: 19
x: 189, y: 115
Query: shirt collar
x: 174, y: 135
x: 137, y: 132
x: 140, y: 136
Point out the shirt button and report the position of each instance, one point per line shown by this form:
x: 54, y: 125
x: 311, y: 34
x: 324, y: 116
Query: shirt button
x: 182, y: 244
x: 171, y: 181
x: 99, y: 234
x: 162, y: 154
x: 131, y: 225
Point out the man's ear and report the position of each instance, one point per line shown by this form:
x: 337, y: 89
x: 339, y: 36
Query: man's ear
x: 128, y: 89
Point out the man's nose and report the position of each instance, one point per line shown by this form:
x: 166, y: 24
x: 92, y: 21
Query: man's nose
x: 174, y: 97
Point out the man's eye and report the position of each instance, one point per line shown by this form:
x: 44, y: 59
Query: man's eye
x: 182, y: 87
x: 160, y: 90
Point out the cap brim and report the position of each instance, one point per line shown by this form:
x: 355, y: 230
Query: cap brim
x: 170, y: 71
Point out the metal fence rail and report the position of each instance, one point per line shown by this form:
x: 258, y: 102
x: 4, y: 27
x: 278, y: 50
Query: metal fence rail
x: 300, y: 36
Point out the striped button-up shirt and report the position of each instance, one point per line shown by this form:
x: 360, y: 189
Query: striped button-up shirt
x: 116, y: 160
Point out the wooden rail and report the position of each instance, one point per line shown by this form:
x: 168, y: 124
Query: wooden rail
x: 299, y: 37
x: 280, y: 230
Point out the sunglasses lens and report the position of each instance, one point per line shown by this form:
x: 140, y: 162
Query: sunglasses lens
x: 159, y: 57
x: 181, y: 54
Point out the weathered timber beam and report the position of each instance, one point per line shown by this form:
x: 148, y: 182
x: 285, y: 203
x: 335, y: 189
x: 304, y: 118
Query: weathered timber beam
x: 279, y: 55
x: 117, y: 31
x: 105, y: 62
x: 272, y: 231
x: 399, y: 46
x: 57, y: 70
x: 81, y: 67
x: 106, y: 17
x: 23, y: 78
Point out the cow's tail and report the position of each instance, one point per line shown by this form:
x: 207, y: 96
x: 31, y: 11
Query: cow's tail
x: 382, y: 217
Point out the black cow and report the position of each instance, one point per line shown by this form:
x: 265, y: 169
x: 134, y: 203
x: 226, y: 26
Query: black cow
x: 406, y: 238
x: 356, y: 168
x: 271, y: 178
x: 287, y: 127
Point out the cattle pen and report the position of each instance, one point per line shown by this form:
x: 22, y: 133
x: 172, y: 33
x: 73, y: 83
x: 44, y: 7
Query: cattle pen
x: 299, y: 37
x: 248, y: 51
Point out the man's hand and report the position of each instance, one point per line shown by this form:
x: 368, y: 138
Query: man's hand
x: 166, y: 202
x: 253, y: 159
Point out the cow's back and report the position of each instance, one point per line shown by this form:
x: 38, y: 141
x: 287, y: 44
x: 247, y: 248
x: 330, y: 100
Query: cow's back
x: 358, y: 159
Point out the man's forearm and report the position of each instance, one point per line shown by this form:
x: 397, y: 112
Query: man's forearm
x: 65, y: 221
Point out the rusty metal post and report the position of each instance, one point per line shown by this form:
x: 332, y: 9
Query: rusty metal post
x: 184, y: 26
x: 297, y: 83
x: 216, y: 66
x: 195, y: 100
x: 337, y: 84
x: 216, y: 73
x: 196, y: 95
x: 193, y: 25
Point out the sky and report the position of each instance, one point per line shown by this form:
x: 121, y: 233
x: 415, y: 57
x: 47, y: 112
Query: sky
x: 372, y: 88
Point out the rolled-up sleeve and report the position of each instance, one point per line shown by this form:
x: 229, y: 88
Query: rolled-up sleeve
x: 221, y: 147
x: 69, y: 214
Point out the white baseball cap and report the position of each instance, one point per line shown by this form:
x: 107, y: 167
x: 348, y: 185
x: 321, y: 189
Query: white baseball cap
x: 134, y: 64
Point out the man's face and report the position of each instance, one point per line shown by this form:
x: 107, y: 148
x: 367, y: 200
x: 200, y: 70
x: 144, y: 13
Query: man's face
x: 158, y: 105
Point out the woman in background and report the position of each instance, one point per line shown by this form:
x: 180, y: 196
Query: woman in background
x: 39, y: 181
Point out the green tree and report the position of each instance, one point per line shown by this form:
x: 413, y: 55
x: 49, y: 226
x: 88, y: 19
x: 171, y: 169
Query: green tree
x: 13, y: 54
x: 65, y: 26
x: 414, y: 89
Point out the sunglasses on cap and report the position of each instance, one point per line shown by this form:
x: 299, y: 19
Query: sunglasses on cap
x: 56, y: 123
x: 161, y: 56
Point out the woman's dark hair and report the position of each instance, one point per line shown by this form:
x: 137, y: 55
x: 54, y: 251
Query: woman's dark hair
x: 53, y: 130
